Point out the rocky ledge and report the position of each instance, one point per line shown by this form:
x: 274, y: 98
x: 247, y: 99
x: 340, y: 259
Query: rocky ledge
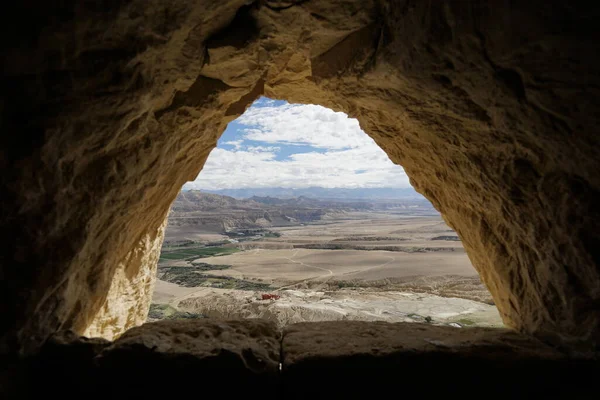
x: 341, y: 359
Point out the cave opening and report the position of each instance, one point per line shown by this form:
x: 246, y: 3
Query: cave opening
x: 299, y: 216
x: 110, y: 108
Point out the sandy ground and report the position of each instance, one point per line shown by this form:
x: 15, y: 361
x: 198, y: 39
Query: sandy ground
x: 346, y: 304
x: 287, y: 266
x: 426, y: 275
x: 167, y: 292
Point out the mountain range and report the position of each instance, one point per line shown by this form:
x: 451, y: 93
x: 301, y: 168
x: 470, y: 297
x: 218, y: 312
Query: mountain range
x: 322, y: 193
x: 196, y: 212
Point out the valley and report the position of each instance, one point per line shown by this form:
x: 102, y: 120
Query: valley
x: 393, y: 260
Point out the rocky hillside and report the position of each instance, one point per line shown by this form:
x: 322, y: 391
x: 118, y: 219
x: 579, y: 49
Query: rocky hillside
x: 195, y: 200
x: 307, y: 202
x: 208, y: 212
x: 323, y: 193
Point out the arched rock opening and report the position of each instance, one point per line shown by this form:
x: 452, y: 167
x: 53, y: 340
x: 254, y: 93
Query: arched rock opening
x: 107, y: 112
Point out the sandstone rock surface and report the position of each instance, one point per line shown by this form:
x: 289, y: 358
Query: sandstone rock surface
x: 356, y: 360
x: 228, y: 359
x: 334, y: 360
x: 337, y: 339
x: 492, y: 109
x: 253, y: 343
x: 231, y: 359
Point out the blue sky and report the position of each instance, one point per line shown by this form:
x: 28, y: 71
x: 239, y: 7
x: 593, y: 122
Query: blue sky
x: 277, y: 144
x: 235, y: 132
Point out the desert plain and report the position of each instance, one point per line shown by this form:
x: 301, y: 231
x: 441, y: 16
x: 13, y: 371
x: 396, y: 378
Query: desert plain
x: 374, y: 266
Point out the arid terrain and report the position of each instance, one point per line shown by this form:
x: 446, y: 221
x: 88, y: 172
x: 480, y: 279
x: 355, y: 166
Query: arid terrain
x: 390, y: 261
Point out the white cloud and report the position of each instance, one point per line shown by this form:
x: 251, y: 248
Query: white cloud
x: 347, y: 157
x: 259, y: 149
x: 303, y: 124
x: 235, y: 143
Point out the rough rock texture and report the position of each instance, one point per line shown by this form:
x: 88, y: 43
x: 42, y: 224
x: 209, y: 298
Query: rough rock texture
x: 333, y: 339
x: 357, y: 360
x: 491, y: 107
x: 252, y: 342
x: 332, y: 360
x: 128, y: 300
x: 231, y: 359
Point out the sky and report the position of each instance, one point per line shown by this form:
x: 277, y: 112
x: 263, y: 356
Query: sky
x: 277, y: 144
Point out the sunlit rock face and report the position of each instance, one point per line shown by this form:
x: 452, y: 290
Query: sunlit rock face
x: 107, y: 111
x: 128, y: 300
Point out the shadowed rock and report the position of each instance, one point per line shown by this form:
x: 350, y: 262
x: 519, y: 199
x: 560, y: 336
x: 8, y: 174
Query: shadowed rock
x: 356, y: 360
x: 233, y: 359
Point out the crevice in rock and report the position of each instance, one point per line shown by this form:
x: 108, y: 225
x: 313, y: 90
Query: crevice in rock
x: 510, y: 78
x: 202, y: 89
x: 239, y: 107
x: 282, y: 4
x: 239, y: 32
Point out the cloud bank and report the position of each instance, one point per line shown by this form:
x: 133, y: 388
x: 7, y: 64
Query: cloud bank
x: 275, y: 144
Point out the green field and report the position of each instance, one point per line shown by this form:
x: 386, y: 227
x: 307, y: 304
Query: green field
x: 192, y: 277
x: 198, y: 252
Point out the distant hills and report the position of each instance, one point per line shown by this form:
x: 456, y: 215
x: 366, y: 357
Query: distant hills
x: 201, y: 201
x: 194, y: 212
x: 200, y: 212
x: 195, y: 200
x: 322, y: 193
